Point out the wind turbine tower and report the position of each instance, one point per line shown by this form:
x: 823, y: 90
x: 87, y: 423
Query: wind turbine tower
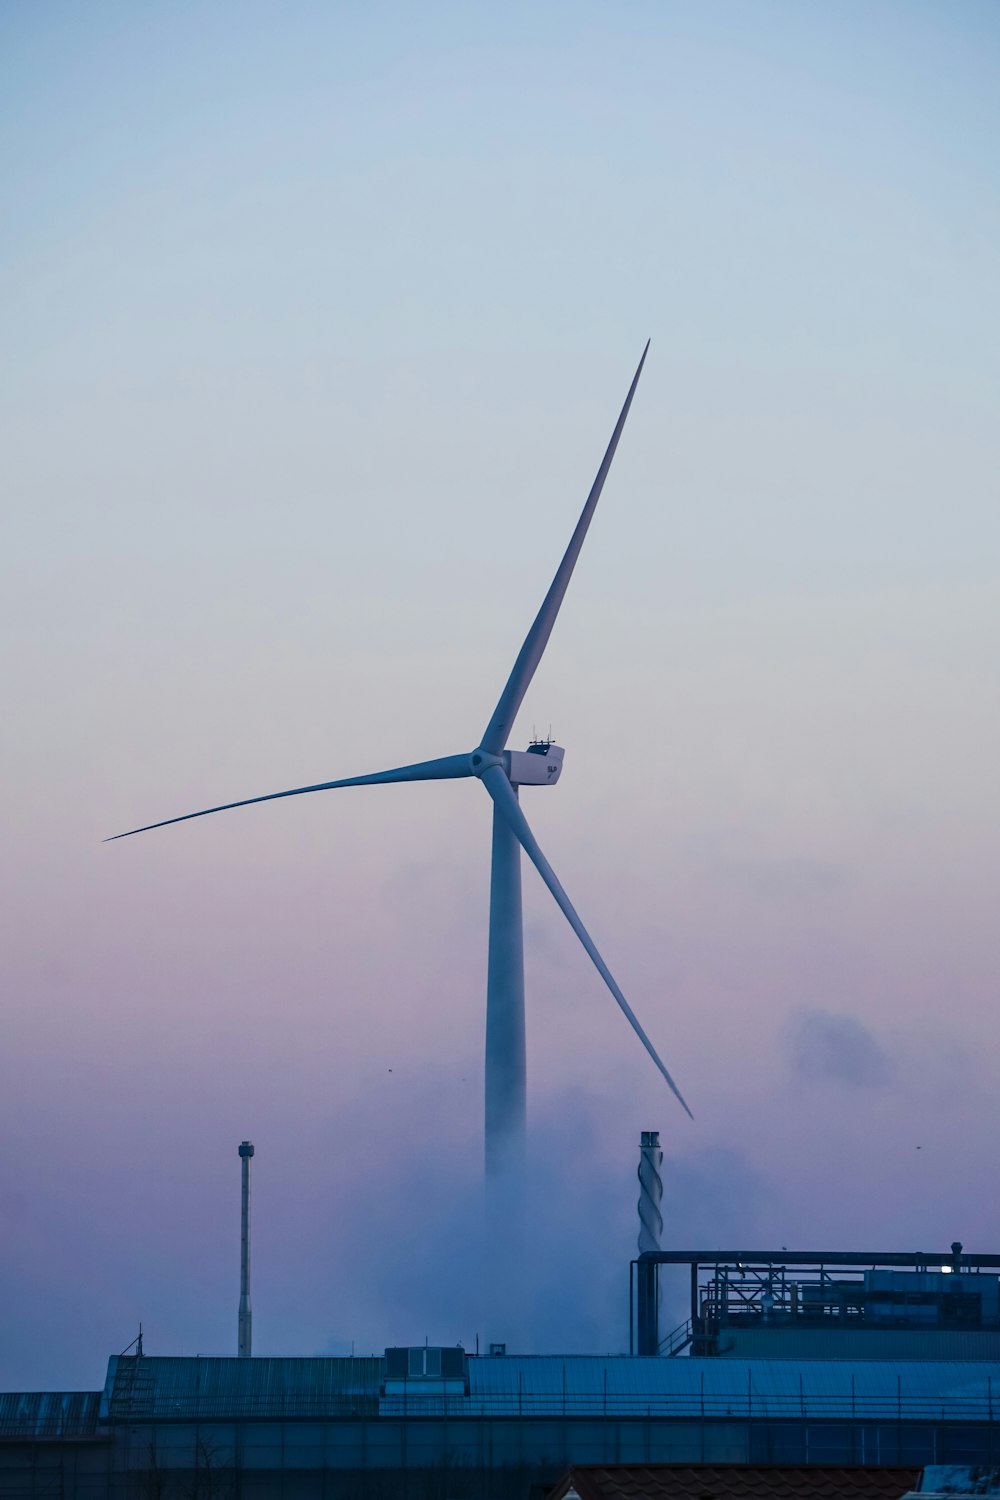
x: 502, y: 773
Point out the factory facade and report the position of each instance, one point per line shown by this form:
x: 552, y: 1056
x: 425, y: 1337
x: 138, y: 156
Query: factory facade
x: 436, y: 1424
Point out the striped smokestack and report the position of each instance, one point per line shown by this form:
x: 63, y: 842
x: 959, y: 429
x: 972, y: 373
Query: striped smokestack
x: 650, y: 1231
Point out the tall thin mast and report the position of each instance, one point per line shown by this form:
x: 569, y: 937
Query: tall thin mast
x: 245, y: 1336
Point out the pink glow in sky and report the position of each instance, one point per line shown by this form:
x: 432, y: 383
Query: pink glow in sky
x: 316, y: 325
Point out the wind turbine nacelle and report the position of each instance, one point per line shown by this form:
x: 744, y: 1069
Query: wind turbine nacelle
x: 539, y: 765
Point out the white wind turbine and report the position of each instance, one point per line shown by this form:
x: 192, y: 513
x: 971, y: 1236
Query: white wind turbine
x: 502, y: 772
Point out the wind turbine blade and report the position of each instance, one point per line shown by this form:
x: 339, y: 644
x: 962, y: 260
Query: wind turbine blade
x: 499, y: 728
x: 448, y: 767
x: 500, y: 789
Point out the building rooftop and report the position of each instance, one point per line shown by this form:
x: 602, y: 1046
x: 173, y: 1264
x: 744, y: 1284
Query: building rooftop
x: 173, y: 1389
x: 49, y: 1414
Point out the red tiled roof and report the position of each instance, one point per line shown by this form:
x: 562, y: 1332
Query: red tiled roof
x: 734, y: 1482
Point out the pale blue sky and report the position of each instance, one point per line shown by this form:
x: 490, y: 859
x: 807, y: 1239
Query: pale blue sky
x: 316, y: 320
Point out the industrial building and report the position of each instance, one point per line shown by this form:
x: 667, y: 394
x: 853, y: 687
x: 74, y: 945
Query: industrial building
x: 815, y: 1359
x: 443, y: 1424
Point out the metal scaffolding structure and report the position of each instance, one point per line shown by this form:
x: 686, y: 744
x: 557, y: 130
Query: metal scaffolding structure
x: 813, y: 1289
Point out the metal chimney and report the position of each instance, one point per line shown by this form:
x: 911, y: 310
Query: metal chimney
x: 650, y: 1230
x: 243, y: 1347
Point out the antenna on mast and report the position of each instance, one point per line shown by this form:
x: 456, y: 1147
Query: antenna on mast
x: 136, y: 1344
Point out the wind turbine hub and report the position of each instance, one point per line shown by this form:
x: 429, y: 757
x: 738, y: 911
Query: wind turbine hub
x: 481, y: 760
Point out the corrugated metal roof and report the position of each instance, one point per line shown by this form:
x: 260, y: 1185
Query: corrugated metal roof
x: 593, y: 1385
x: 721, y: 1387
x: 209, y: 1387
x: 42, y: 1414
